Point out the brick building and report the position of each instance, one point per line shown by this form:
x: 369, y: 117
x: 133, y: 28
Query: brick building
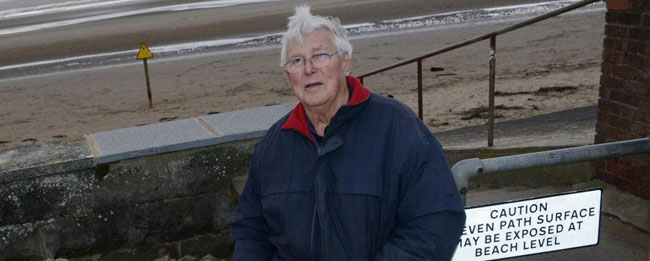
x: 624, y: 104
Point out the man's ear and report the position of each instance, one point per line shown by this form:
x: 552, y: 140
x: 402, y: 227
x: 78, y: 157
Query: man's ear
x: 347, y: 66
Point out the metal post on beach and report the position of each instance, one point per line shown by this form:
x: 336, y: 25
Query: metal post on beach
x: 493, y: 41
x: 143, y: 55
x: 146, y: 74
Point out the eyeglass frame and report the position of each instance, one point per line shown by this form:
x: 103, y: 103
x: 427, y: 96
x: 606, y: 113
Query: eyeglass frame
x: 304, y: 62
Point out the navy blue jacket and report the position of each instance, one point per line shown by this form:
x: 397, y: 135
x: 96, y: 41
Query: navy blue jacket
x: 379, y: 188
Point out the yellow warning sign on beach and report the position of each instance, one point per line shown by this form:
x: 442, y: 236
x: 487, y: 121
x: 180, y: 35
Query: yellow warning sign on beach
x: 144, y: 52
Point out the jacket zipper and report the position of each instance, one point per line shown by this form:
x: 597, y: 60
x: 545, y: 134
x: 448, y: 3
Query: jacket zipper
x: 313, y: 216
x: 313, y: 228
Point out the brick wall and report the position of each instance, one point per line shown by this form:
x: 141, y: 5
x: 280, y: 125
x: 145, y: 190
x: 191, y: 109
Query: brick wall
x: 624, y: 104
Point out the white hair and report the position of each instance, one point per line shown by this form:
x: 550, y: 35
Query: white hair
x: 303, y: 22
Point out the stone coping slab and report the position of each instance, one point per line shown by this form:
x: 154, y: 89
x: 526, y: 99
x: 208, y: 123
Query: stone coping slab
x: 246, y: 124
x: 121, y: 144
x: 41, y: 159
x: 116, y: 145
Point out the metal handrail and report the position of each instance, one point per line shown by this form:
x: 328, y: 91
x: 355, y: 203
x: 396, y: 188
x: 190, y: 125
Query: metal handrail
x: 492, y: 36
x: 471, y: 168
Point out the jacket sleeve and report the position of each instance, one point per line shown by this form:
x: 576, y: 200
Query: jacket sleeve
x: 249, y: 229
x: 430, y: 214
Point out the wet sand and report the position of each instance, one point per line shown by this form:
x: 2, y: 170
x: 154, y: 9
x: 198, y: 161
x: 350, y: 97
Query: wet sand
x: 551, y: 66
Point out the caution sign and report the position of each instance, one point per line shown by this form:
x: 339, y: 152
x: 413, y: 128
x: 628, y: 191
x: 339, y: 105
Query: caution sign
x: 144, y: 52
x: 531, y: 226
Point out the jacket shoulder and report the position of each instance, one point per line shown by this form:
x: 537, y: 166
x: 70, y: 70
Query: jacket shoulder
x: 409, y: 125
x: 390, y: 106
x: 272, y: 132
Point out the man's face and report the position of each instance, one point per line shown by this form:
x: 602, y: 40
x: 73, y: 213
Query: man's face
x: 316, y: 87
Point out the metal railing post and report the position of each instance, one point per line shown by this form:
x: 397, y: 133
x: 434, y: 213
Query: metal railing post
x: 493, y: 42
x: 420, y: 113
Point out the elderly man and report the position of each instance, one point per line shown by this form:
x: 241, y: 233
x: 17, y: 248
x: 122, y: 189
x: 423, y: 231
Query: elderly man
x: 346, y: 175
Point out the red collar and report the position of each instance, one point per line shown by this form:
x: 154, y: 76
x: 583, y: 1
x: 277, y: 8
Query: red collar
x: 298, y: 119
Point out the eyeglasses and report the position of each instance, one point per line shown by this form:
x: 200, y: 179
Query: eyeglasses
x: 319, y: 60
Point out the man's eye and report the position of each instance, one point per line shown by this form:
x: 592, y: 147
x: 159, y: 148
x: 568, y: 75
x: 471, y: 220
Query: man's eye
x: 296, y: 60
x: 321, y: 55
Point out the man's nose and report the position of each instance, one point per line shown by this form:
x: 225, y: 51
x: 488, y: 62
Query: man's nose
x: 309, y: 67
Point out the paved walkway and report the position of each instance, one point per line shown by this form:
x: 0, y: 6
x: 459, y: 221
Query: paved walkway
x: 566, y: 128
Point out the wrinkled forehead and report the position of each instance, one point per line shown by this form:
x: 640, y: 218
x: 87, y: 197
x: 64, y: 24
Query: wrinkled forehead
x: 319, y: 39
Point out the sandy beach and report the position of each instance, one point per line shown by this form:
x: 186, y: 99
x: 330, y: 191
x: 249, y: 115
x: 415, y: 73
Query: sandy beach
x: 551, y: 66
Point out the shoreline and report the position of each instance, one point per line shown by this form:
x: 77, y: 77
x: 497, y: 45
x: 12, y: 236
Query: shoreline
x: 270, y: 40
x: 207, y: 24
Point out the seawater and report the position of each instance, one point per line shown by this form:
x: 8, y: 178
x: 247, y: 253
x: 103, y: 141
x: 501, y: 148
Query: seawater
x: 433, y: 21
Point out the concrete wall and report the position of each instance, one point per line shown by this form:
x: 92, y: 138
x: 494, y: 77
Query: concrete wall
x: 624, y: 104
x: 125, y: 194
